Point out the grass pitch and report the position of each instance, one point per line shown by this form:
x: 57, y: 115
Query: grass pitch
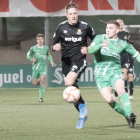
x: 22, y: 117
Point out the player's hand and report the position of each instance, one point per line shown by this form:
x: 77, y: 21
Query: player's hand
x: 84, y: 50
x: 33, y: 60
x: 105, y: 43
x: 53, y: 64
x: 57, y: 47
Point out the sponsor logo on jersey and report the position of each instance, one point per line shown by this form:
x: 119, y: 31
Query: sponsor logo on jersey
x: 40, y: 56
x: 119, y: 45
x: 106, y: 51
x: 79, y: 32
x: 73, y: 39
x: 65, y: 31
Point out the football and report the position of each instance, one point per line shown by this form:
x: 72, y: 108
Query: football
x: 71, y: 94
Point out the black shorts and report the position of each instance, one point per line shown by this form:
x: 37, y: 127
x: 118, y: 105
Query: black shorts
x: 77, y: 66
x: 127, y: 65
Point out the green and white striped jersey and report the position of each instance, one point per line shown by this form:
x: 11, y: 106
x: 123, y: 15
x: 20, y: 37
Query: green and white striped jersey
x: 107, y: 59
x: 40, y: 53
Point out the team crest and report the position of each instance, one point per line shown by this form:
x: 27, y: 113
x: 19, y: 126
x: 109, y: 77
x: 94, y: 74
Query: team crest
x: 125, y: 37
x: 79, y: 32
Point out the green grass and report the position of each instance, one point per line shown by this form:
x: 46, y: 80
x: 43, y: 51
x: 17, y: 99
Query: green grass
x: 22, y: 117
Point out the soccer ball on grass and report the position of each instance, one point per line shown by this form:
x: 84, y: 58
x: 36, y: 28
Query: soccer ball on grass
x: 71, y: 94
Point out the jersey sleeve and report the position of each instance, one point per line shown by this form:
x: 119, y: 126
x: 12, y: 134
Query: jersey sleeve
x: 130, y: 49
x: 49, y: 55
x: 90, y: 32
x: 96, y: 41
x: 95, y: 45
x: 56, y: 36
x: 30, y: 54
x: 48, y: 52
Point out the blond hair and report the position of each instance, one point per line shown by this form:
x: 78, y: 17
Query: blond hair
x: 71, y: 5
x: 114, y: 22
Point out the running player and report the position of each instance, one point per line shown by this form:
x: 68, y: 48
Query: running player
x: 37, y: 54
x: 73, y: 35
x: 126, y: 60
x: 108, y: 72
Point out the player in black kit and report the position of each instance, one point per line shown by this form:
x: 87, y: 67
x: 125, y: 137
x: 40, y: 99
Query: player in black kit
x: 72, y: 35
x: 126, y: 60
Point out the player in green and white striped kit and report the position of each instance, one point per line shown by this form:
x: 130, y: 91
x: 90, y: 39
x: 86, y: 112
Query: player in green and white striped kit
x: 108, y: 72
x: 37, y: 54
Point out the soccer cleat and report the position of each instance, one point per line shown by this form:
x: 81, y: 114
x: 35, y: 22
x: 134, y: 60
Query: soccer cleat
x: 131, y: 97
x: 40, y: 100
x: 82, y: 110
x: 81, y: 122
x: 132, y: 119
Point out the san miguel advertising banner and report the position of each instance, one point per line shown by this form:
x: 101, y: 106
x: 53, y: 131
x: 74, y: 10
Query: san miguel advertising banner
x: 20, y: 76
x: 44, y: 8
x: 15, y: 76
x: 87, y: 79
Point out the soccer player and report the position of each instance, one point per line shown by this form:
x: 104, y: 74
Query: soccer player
x: 73, y: 35
x: 108, y: 72
x: 126, y: 60
x: 37, y: 54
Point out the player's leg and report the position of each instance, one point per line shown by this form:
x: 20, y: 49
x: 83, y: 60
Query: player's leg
x: 77, y: 68
x: 35, y: 77
x: 70, y: 78
x: 106, y: 93
x: 131, y: 86
x: 130, y: 79
x: 72, y: 73
x: 119, y: 87
x: 41, y: 88
x: 42, y: 73
x: 35, y: 81
x: 126, y: 103
x: 125, y: 79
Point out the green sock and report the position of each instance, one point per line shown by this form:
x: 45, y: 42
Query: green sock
x: 117, y: 107
x: 126, y: 103
x: 41, y: 91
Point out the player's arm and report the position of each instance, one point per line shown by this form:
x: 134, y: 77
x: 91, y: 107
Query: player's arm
x: 138, y: 57
x: 30, y: 54
x: 95, y: 46
x: 50, y: 58
x: 130, y: 49
x: 56, y: 39
x: 90, y: 32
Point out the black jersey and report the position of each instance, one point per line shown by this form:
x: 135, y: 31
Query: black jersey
x: 125, y: 36
x: 72, y: 38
